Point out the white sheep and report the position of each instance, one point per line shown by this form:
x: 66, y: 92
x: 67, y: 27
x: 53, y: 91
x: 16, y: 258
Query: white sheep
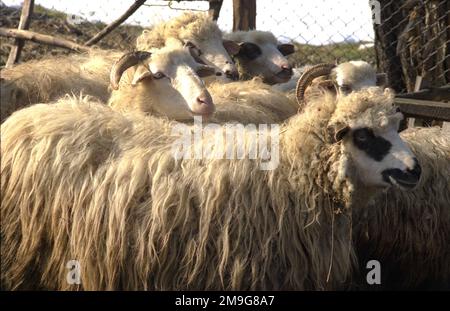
x: 201, y: 34
x: 341, y: 79
x: 173, y: 89
x: 163, y: 83
x: 179, y: 95
x: 83, y: 182
x: 261, y: 55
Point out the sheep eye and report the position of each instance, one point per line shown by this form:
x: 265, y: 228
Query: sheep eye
x: 361, y: 135
x: 158, y: 75
x: 189, y: 44
x: 345, y: 88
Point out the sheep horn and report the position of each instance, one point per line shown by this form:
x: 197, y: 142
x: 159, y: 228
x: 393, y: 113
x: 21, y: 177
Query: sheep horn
x: 308, y: 76
x: 125, y: 62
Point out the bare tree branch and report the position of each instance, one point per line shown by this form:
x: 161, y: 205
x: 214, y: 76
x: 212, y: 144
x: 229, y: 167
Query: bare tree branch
x: 40, y: 38
x: 136, y: 5
x: 24, y: 23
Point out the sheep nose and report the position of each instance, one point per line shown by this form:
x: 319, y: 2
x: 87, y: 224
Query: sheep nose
x: 405, y: 178
x: 416, y: 170
x: 203, y: 105
x: 286, y: 68
x: 232, y: 74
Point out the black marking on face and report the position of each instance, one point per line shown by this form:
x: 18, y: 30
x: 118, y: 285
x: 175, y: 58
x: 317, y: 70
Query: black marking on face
x: 375, y: 147
x: 249, y: 50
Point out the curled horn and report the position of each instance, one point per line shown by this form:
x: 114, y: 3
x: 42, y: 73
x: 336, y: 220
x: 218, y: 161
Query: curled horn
x: 308, y: 76
x: 126, y: 61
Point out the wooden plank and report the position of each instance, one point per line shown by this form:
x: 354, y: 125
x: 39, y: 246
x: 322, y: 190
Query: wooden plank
x: 40, y: 38
x: 244, y: 15
x: 24, y: 23
x: 105, y: 31
x: 433, y: 94
x: 424, y: 108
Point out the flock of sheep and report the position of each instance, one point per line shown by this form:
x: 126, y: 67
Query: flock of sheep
x: 88, y: 173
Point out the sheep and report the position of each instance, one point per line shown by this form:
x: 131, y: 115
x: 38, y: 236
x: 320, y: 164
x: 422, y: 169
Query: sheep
x: 409, y: 232
x: 260, y: 54
x: 342, y: 79
x: 244, y: 102
x: 164, y: 83
x: 250, y: 102
x: 201, y: 34
x: 83, y: 182
x: 87, y: 74
x: 48, y: 79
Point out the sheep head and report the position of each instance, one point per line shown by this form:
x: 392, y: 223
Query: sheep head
x: 366, y: 124
x: 340, y: 79
x: 202, y: 35
x: 166, y: 82
x: 260, y: 54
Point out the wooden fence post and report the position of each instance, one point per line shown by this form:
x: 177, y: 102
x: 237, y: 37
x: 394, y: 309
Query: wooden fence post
x: 24, y: 23
x: 244, y: 14
x: 214, y: 8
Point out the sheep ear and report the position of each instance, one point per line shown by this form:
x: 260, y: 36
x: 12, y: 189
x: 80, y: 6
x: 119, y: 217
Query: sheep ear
x: 286, y: 49
x: 231, y: 46
x: 205, y: 71
x: 249, y: 50
x: 141, y: 73
x: 194, y: 51
x: 337, y: 132
x: 381, y: 79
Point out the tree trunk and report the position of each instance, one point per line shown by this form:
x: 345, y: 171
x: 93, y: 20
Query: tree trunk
x: 244, y: 14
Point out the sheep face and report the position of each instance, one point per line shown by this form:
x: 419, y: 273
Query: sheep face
x: 266, y: 60
x: 261, y: 55
x: 354, y: 76
x: 216, y: 52
x: 339, y: 79
x: 168, y: 83
x: 379, y: 156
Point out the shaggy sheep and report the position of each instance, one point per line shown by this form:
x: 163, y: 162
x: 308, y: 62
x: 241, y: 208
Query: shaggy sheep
x: 409, y: 232
x: 261, y: 55
x: 83, y: 182
x: 250, y: 101
x: 163, y: 83
x: 342, y: 79
x: 201, y: 34
x: 48, y: 79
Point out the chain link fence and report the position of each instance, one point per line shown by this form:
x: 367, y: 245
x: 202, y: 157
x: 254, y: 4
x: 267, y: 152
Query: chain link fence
x: 413, y: 41
x: 412, y: 37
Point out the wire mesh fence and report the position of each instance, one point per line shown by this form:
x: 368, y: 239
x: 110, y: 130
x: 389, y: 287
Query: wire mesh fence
x: 314, y: 27
x: 411, y: 39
